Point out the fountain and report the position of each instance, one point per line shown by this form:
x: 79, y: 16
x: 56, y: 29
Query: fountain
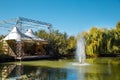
x: 80, y: 52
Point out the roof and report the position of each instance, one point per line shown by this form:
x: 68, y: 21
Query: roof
x: 31, y: 34
x: 16, y: 34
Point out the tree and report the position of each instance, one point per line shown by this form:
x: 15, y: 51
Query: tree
x: 102, y: 41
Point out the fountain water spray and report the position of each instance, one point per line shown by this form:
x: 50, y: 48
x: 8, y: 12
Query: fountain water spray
x: 80, y: 51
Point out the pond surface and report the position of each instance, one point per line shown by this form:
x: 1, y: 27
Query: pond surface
x: 97, y: 69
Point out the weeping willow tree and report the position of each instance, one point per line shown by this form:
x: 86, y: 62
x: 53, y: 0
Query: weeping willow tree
x: 102, y: 41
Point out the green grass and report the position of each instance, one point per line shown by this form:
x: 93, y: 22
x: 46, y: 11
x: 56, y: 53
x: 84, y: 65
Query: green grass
x: 44, y: 63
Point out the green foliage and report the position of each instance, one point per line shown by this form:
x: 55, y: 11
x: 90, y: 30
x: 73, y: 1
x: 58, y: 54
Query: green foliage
x: 102, y: 41
x: 98, y: 41
x: 118, y: 26
x: 59, y: 43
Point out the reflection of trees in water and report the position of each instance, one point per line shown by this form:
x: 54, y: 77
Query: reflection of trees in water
x: 57, y: 74
x: 99, y: 72
x: 47, y: 74
x: 20, y: 72
x: 92, y: 72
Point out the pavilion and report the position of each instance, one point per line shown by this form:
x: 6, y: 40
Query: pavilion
x: 18, y: 44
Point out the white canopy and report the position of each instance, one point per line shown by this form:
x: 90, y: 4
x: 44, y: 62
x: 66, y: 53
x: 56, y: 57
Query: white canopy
x: 31, y: 34
x: 15, y: 34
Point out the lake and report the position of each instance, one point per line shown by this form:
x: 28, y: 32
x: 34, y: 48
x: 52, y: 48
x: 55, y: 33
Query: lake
x: 96, y: 69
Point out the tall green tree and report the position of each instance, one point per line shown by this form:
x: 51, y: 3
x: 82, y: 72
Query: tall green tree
x: 59, y: 43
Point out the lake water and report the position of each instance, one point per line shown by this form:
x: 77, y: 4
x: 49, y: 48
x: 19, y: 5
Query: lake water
x: 98, y: 69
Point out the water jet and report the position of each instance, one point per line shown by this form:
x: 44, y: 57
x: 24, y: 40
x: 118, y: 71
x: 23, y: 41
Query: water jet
x: 80, y: 52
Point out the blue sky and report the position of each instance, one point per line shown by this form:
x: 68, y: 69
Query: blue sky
x: 71, y: 16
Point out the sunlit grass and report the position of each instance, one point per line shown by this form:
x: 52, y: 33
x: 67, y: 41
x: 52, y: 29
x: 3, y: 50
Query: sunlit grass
x: 44, y: 63
x: 64, y: 63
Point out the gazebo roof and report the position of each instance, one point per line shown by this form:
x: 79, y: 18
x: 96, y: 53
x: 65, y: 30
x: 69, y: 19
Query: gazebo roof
x: 31, y: 34
x: 16, y: 34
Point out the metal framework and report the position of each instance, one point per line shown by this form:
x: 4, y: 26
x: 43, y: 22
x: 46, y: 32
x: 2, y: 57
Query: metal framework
x: 25, y: 22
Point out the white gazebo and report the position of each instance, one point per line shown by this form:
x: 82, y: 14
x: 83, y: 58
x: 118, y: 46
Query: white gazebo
x: 13, y: 42
x: 19, y: 44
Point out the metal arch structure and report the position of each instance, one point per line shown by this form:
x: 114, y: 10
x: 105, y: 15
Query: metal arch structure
x: 19, y: 21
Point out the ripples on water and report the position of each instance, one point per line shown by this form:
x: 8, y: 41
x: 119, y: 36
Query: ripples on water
x: 98, y: 69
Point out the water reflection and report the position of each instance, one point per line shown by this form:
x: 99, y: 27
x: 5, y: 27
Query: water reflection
x: 98, y: 70
x: 6, y: 70
x: 20, y: 72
